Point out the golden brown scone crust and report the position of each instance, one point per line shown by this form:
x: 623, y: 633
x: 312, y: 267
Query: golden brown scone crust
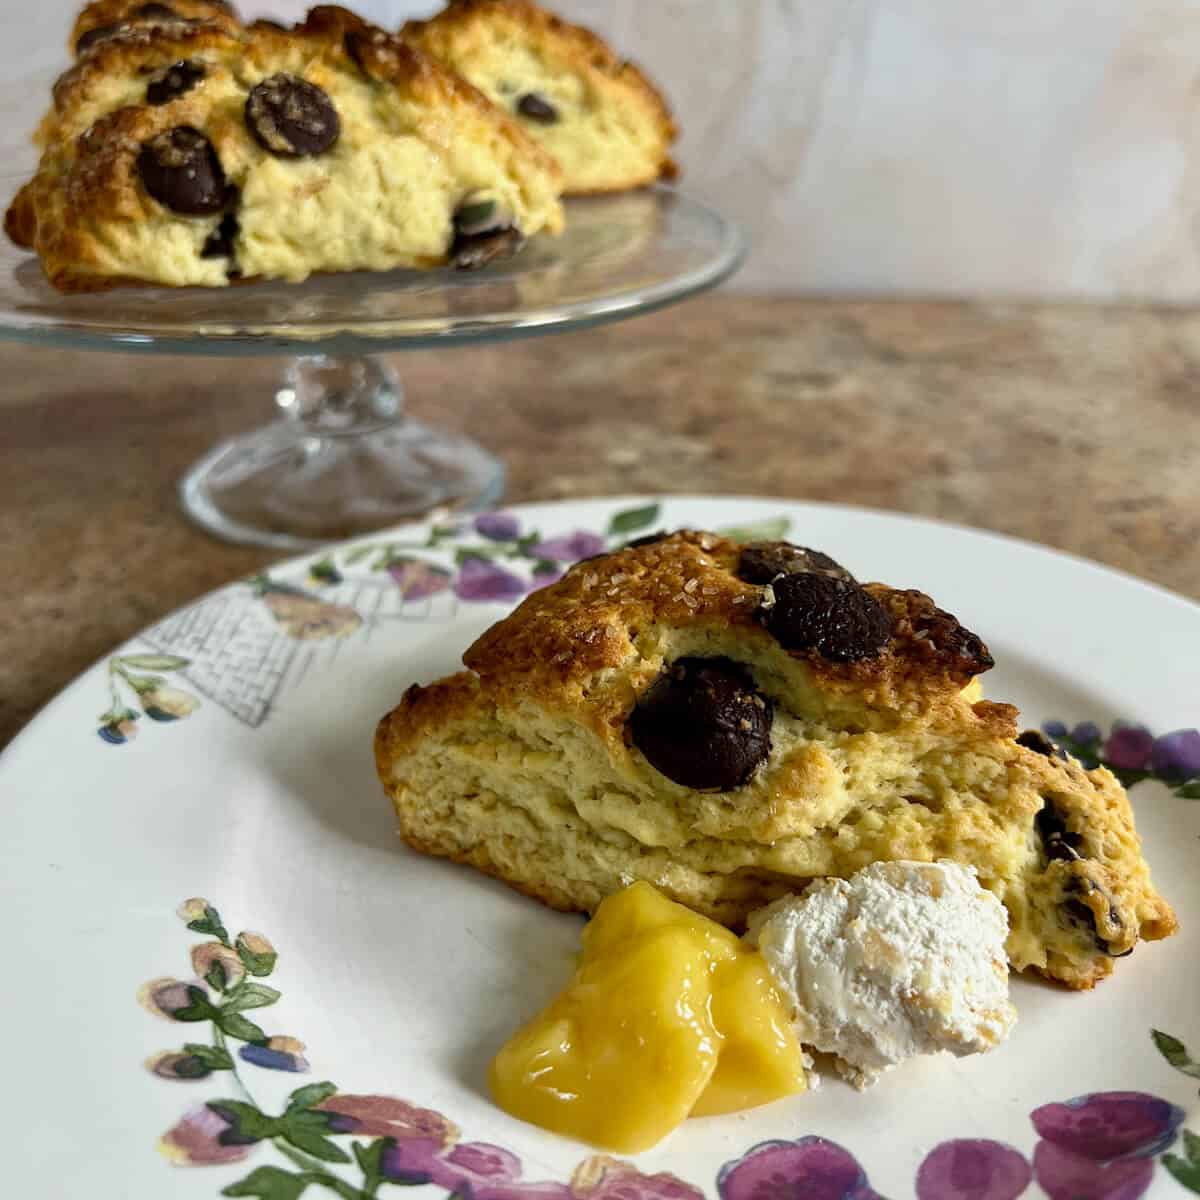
x: 103, y: 18
x: 498, y: 44
x: 523, y: 766
x: 415, y: 139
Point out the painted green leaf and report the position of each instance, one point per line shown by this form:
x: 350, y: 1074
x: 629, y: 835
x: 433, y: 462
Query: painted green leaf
x: 358, y: 554
x: 249, y: 995
x: 1191, y: 1147
x: 1189, y: 791
x: 247, y: 1123
x: 465, y: 553
x: 313, y: 1093
x: 1175, y: 1052
x: 369, y: 1157
x: 215, y: 1058
x: 199, y: 1008
x: 1187, y: 1173
x: 236, y: 1026
x: 154, y: 662
x: 256, y: 962
x: 325, y: 571
x: 315, y: 1144
x: 210, y: 923
x: 631, y: 519
x: 758, y: 531
x: 216, y: 976
x: 268, y: 1183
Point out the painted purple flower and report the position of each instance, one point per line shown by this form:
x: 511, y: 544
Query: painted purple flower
x: 1128, y: 747
x: 119, y: 727
x: 604, y: 1178
x: 973, y: 1169
x: 1054, y: 729
x: 195, y: 1140
x: 1177, y: 755
x: 543, y: 575
x: 472, y: 1171
x: 276, y: 1054
x: 171, y: 998
x: 810, y: 1167
x: 571, y: 548
x: 481, y: 580
x: 1064, y: 1175
x: 417, y: 579
x: 385, y: 1116
x: 178, y: 1064
x: 498, y: 526
x: 1109, y: 1125
x: 1085, y: 733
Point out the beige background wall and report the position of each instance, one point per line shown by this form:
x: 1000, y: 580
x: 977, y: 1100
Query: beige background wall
x: 950, y: 146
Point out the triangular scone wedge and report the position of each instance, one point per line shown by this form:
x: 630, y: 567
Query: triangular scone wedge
x: 816, y: 725
x: 188, y: 153
x: 607, y: 125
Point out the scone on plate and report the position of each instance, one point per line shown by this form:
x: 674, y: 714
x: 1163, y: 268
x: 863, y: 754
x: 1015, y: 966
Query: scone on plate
x: 200, y: 152
x: 601, y: 118
x: 732, y: 722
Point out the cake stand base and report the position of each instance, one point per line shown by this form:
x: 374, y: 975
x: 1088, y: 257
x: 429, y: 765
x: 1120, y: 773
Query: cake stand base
x: 341, y: 460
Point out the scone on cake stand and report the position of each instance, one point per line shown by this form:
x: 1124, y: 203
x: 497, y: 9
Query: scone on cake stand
x: 211, y: 187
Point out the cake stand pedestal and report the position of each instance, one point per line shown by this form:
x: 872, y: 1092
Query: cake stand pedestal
x: 341, y: 457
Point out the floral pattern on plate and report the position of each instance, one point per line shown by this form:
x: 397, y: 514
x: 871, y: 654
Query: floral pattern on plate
x: 1102, y: 1146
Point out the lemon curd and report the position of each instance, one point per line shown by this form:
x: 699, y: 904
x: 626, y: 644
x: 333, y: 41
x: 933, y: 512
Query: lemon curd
x: 668, y: 1016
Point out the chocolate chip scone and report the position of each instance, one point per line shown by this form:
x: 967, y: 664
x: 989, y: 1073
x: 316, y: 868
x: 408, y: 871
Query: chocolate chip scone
x: 598, y: 114
x: 198, y: 151
x: 730, y: 722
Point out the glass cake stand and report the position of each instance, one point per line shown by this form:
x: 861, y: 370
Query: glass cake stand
x: 341, y: 456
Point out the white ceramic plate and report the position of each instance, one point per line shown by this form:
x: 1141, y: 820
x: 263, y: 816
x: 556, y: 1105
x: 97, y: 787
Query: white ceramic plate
x: 234, y: 764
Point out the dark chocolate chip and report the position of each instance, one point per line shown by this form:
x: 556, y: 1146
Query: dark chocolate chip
x: 703, y: 724
x: 478, y: 216
x: 290, y: 117
x: 471, y: 250
x: 156, y: 12
x: 1057, y: 840
x: 101, y: 33
x: 174, y: 81
x: 537, y: 108
x: 219, y: 243
x: 838, y: 619
x: 268, y: 23
x: 180, y: 169
x: 1039, y: 743
x: 1079, y: 913
x: 760, y: 562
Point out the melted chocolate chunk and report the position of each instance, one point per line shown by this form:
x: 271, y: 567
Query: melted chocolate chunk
x: 468, y: 251
x: 180, y: 169
x: 1039, y: 743
x: 156, y: 12
x: 219, y: 243
x: 1077, y: 912
x: 838, y: 619
x: 761, y: 562
x: 537, y: 108
x: 1057, y: 840
x: 647, y: 539
x: 290, y: 117
x: 703, y: 724
x: 174, y: 81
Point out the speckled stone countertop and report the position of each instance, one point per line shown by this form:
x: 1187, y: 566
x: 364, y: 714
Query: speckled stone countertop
x: 1077, y: 427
